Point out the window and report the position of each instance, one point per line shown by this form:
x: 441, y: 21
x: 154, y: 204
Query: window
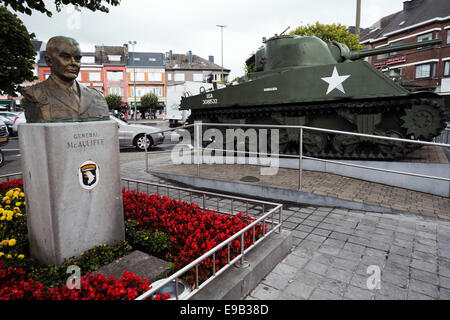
x: 425, y: 37
x: 447, y: 69
x: 115, y: 75
x: 116, y: 90
x: 169, y: 77
x: 95, y: 76
x: 157, y: 91
x: 115, y: 58
x: 382, y: 56
x: 88, y: 59
x: 151, y: 59
x: 396, y: 43
x: 423, y: 71
x: 140, y: 91
x: 140, y: 76
x: 396, y: 74
x: 179, y: 76
x: 448, y: 36
x: 155, y: 76
x: 198, y: 77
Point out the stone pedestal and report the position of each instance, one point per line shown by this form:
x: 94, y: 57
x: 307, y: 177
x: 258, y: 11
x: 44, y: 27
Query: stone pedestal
x: 71, y: 174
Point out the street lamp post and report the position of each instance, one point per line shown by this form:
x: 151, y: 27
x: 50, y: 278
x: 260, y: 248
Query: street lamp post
x: 134, y: 76
x: 221, y: 46
x: 358, y: 17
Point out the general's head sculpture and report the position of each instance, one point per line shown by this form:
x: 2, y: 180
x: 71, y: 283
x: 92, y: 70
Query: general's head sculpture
x: 61, y: 98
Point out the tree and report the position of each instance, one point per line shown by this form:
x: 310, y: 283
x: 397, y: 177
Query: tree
x: 330, y: 32
x: 149, y: 101
x: 114, y: 101
x: 27, y: 6
x: 17, y: 57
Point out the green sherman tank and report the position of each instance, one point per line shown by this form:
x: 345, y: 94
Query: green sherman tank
x: 310, y: 82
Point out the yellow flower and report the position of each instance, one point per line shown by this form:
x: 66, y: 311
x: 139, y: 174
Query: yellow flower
x: 20, y: 256
x: 1, y: 210
x: 9, y: 256
x: 22, y: 194
x: 12, y: 242
x: 1, y: 254
x: 8, y: 218
x: 18, y: 204
x: 10, y: 193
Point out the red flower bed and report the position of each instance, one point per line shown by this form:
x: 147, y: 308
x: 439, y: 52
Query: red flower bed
x: 193, y: 231
x: 15, y: 183
x: 13, y: 286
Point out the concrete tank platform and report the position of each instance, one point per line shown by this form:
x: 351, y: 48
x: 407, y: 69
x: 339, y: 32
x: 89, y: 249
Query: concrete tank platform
x: 318, y: 188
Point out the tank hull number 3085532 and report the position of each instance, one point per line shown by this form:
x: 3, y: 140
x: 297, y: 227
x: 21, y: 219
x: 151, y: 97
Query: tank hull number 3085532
x: 209, y: 99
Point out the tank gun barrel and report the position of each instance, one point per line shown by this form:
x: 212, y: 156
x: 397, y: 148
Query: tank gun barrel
x: 354, y: 55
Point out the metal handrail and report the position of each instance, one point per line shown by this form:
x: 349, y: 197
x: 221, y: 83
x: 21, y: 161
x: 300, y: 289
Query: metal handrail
x: 9, y: 175
x: 266, y: 218
x: 197, y: 148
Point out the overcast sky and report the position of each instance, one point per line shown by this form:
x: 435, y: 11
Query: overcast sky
x: 182, y: 25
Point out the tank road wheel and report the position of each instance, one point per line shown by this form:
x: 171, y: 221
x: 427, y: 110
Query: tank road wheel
x: 395, y: 148
x: 345, y: 144
x: 423, y: 120
x: 314, y: 142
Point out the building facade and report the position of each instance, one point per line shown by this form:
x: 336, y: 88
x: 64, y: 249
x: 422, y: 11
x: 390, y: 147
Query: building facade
x: 146, y: 73
x: 190, y: 67
x: 115, y: 70
x: 427, y: 67
x: 114, y: 73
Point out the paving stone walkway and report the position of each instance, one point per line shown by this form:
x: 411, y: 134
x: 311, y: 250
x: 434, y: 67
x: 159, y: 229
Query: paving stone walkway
x: 326, y: 184
x: 333, y: 249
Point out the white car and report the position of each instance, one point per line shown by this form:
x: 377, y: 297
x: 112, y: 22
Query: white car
x: 136, y: 135
x: 20, y: 119
x: 15, y: 118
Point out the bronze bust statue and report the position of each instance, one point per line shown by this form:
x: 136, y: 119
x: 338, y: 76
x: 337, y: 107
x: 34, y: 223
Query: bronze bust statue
x: 61, y: 98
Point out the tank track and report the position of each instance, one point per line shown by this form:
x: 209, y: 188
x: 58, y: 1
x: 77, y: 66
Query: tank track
x: 363, y: 151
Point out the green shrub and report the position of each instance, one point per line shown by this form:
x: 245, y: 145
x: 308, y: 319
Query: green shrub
x: 152, y: 242
x: 89, y: 261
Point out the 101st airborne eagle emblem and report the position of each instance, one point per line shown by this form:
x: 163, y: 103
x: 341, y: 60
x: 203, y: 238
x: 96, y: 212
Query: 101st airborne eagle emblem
x: 88, y: 175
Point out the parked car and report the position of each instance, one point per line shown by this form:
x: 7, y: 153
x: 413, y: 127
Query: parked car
x: 20, y: 119
x: 4, y: 139
x: 136, y: 135
x: 9, y: 124
x: 14, y: 118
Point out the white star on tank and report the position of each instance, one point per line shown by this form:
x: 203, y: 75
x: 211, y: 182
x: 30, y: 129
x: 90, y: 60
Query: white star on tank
x: 335, y: 81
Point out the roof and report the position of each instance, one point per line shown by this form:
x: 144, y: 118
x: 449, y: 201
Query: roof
x: 38, y: 45
x: 180, y: 61
x: 146, y: 59
x: 102, y: 54
x: 414, y: 14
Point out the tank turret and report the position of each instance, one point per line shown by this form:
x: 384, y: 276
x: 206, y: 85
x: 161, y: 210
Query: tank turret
x: 291, y: 50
